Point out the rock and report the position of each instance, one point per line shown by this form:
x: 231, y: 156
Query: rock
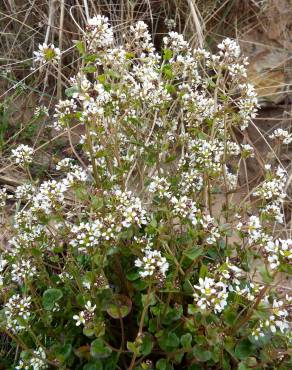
x: 268, y: 45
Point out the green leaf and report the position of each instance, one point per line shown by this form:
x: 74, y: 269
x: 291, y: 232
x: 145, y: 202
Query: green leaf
x: 167, y: 71
x: 170, y: 89
x: 230, y: 317
x: 90, y: 57
x: 133, y: 347
x: 162, y: 364
x: 193, y: 252
x: 50, y: 297
x: 70, y: 91
x: 244, y: 349
x: 147, y: 344
x: 89, y: 332
x: 99, y: 349
x: 120, y: 306
x: 203, y: 271
x: 62, y: 353
x: 267, y: 278
x: 195, y: 367
x: 201, y: 354
x: 80, y: 47
x: 96, y: 365
x: 133, y: 275
x: 186, y: 340
x: 168, y: 341
x: 152, y: 299
x: 167, y: 54
x: 242, y: 366
x: 172, y: 340
x: 97, y: 203
x: 89, y: 69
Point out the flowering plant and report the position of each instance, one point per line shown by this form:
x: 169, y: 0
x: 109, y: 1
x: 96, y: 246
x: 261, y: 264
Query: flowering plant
x: 123, y: 261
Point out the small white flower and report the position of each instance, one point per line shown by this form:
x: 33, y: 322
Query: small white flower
x: 89, y: 306
x: 47, y: 53
x: 23, y: 154
x: 4, y: 196
x: 282, y: 135
x: 79, y: 318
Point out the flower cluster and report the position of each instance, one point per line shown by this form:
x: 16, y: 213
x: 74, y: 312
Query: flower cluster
x: 211, y: 294
x: 99, y: 33
x: 24, y: 192
x: 130, y: 209
x: 37, y: 361
x: 50, y: 195
x: 191, y: 181
x: 160, y: 186
x: 23, y: 155
x: 277, y: 320
x: 3, y: 196
x: 247, y: 151
x: 278, y: 251
x: 229, y: 49
x: 152, y: 264
x: 272, y: 192
x: 86, y: 235
x: 21, y: 270
x: 211, y: 228
x: 185, y: 208
x: 281, y: 135
x: 17, y: 312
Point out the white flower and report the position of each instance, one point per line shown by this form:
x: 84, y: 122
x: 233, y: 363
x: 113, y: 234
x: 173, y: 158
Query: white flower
x: 85, y: 316
x: 211, y: 229
x: 63, y: 110
x: 41, y: 110
x: 175, y: 42
x: 191, y: 181
x: 282, y: 135
x: 4, y: 196
x: 212, y: 295
x: 47, y: 53
x: 21, y: 270
x: 99, y: 33
x: 277, y: 320
x: 23, y: 154
x: 79, y: 318
x: 35, y: 362
x: 130, y: 209
x: 17, y: 308
x: 89, y: 306
x: 247, y: 151
x: 185, y: 207
x: 229, y: 49
x: 49, y: 196
x: 170, y: 23
x: 24, y: 192
x: 160, y: 186
x: 152, y: 264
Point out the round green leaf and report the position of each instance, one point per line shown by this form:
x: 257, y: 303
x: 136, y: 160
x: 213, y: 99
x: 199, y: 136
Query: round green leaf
x: 50, y: 297
x: 99, y: 350
x: 244, y: 349
x: 120, y: 306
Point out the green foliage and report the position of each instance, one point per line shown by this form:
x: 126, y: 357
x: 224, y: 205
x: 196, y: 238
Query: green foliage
x: 50, y: 297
